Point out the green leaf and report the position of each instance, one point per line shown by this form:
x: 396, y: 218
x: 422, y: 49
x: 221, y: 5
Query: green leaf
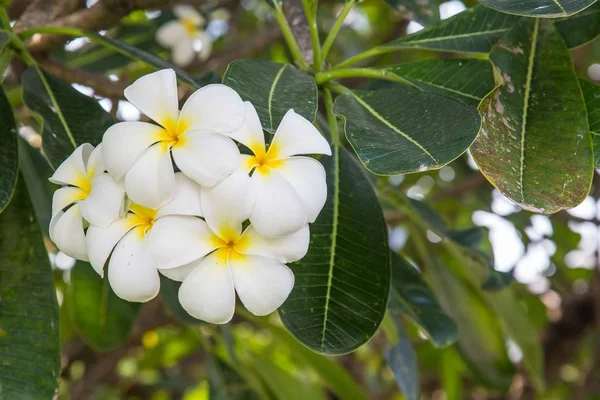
x: 411, y: 296
x: 169, y: 290
x: 69, y: 118
x: 402, y: 360
x: 4, y: 38
x: 424, y: 12
x: 580, y: 28
x: 273, y: 89
x: 342, y: 285
x: 537, y: 114
x: 474, y: 30
x: 539, y: 8
x: 29, y: 337
x: 102, y: 319
x: 591, y: 95
x: 480, y: 337
x: 404, y: 130
x: 9, y: 159
x: 468, y: 80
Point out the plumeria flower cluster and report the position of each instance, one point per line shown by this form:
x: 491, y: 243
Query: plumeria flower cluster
x: 225, y: 223
x: 185, y: 36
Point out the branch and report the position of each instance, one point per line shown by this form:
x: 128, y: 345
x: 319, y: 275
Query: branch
x: 294, y: 12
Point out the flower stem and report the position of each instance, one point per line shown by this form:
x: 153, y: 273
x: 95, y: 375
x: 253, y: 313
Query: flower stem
x: 289, y: 36
x: 363, y: 56
x: 337, y: 25
x: 324, y: 77
x: 311, y: 18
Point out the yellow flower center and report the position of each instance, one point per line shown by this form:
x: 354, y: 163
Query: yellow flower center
x: 189, y: 25
x: 230, y: 249
x: 173, y: 133
x: 264, y: 162
x: 144, y: 217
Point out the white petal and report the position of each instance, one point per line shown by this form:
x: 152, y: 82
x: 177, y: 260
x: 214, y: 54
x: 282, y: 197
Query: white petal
x: 95, y: 164
x: 206, y: 157
x: 185, y: 11
x: 105, y: 203
x: 207, y: 45
x: 278, y: 210
x: 66, y: 231
x: 250, y: 133
x: 285, y: 249
x: 170, y: 33
x: 183, y: 52
x: 307, y: 177
x: 131, y: 271
x: 262, y: 283
x: 180, y: 273
x: 155, y: 95
x: 124, y: 143
x: 186, y: 200
x: 207, y: 293
x: 73, y: 170
x: 101, y: 241
x: 296, y: 135
x: 151, y: 180
x: 66, y: 196
x: 246, y: 163
x: 227, y: 205
x: 178, y: 240
x: 216, y: 108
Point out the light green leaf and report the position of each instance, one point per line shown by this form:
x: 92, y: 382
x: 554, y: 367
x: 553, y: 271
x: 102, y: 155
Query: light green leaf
x: 423, y: 11
x: 474, y: 30
x: 9, y: 159
x: 342, y: 285
x: 537, y: 114
x: 411, y: 296
x: 468, y: 80
x: 68, y: 117
x: 102, y: 319
x: 539, y: 8
x: 273, y: 89
x: 29, y: 337
x: 404, y: 130
x: 591, y: 95
x: 580, y: 28
x: 402, y: 360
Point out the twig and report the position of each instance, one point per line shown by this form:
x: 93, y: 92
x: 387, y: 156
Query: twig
x: 294, y: 12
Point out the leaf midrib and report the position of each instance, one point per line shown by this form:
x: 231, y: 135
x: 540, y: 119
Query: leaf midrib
x: 272, y: 92
x: 459, y: 36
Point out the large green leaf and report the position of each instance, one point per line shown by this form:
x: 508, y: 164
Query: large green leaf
x: 537, y: 114
x: 580, y: 28
x: 343, y: 283
x: 9, y: 160
x: 102, y: 319
x: 591, y: 94
x: 423, y: 11
x: 29, y: 338
x: 468, y: 80
x: 539, y: 8
x: 403, y: 129
x: 411, y: 296
x: 169, y: 291
x: 402, y: 360
x: 474, y: 30
x: 69, y: 118
x: 273, y: 89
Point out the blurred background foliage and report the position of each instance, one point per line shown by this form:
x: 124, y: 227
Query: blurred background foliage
x: 112, y: 349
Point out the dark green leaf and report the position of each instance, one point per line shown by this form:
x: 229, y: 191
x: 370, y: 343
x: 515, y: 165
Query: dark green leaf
x: 402, y: 361
x: 29, y: 337
x: 591, y: 95
x: 466, y: 80
x: 424, y: 12
x: 9, y: 159
x: 342, y: 285
x: 537, y: 114
x: 474, y: 30
x: 539, y: 8
x: 69, y: 118
x: 581, y: 27
x: 411, y: 296
x: 102, y: 319
x: 169, y: 290
x: 404, y: 130
x: 273, y: 89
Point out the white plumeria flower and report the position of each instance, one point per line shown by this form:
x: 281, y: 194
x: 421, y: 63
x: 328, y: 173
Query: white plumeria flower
x: 140, y: 152
x: 215, y: 259
x: 290, y: 190
x: 132, y: 273
x: 185, y: 36
x: 88, y: 194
